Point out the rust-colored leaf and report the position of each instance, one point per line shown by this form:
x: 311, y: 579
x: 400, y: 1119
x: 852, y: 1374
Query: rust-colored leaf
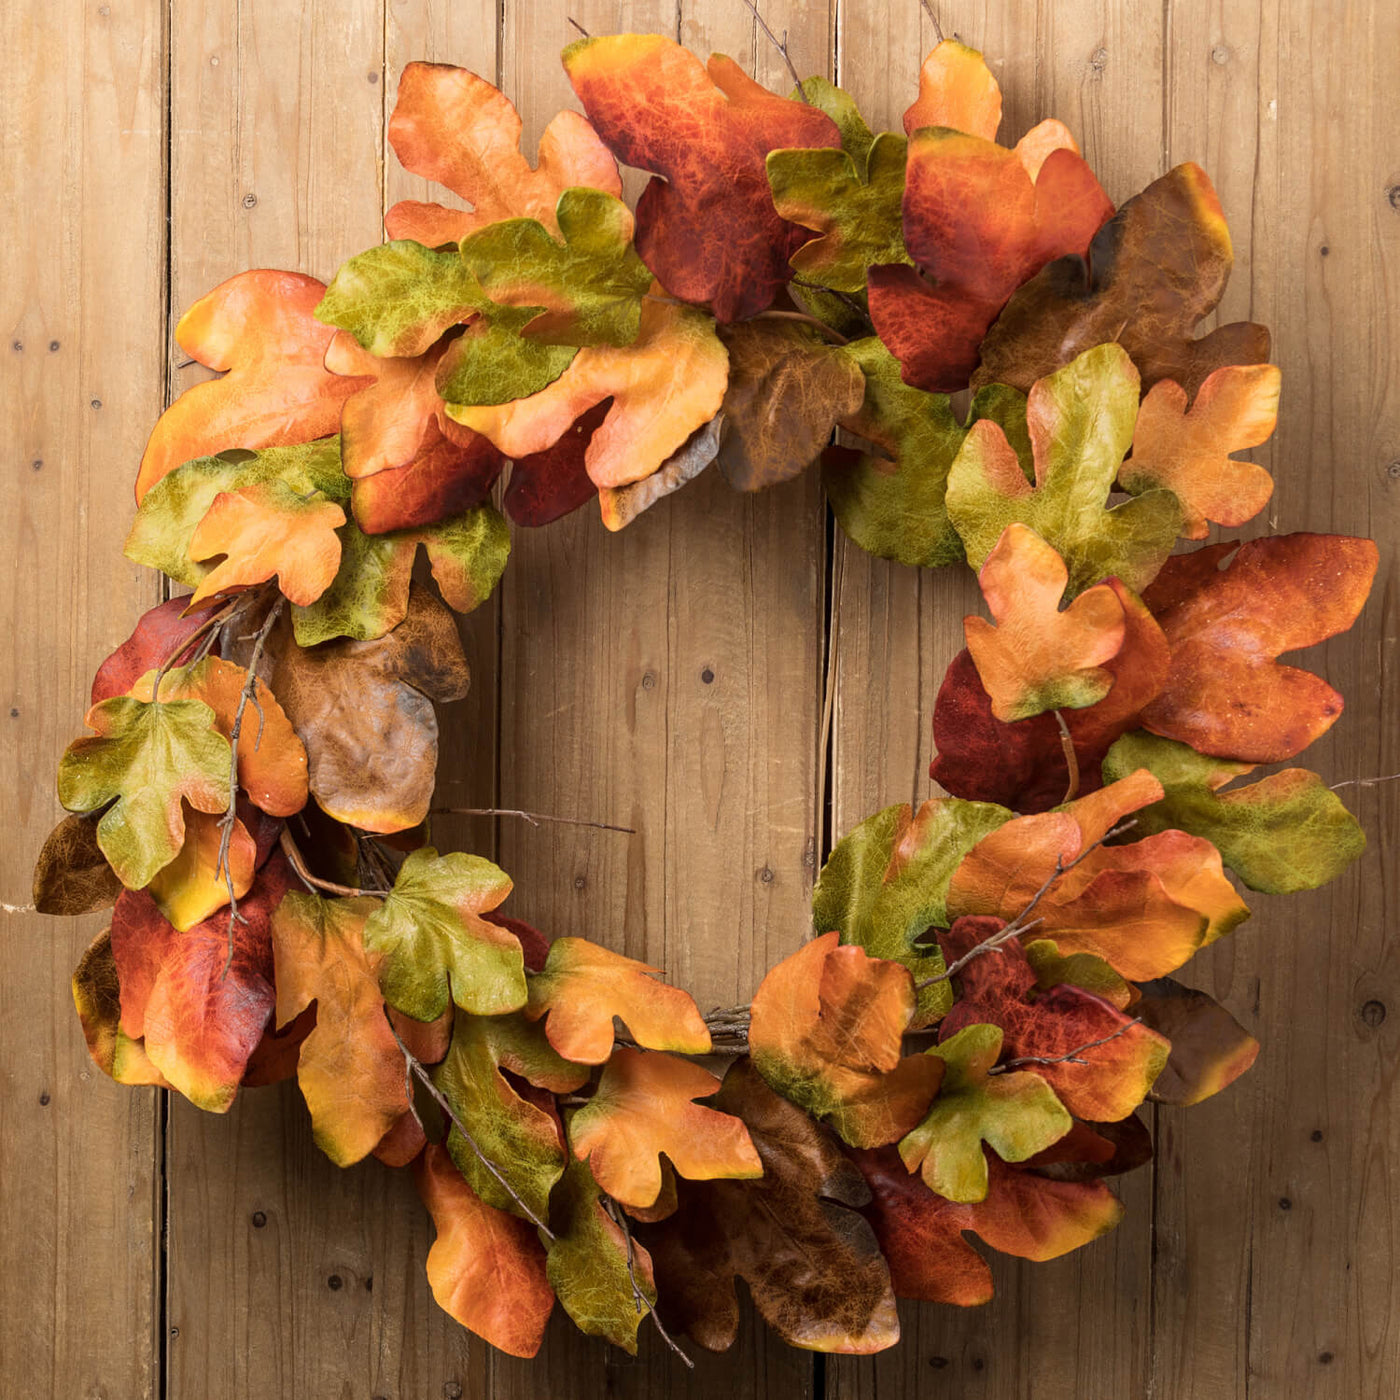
x: 71, y: 875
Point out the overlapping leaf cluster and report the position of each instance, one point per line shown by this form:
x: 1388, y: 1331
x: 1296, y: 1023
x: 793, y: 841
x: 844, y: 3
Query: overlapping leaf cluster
x: 990, y: 996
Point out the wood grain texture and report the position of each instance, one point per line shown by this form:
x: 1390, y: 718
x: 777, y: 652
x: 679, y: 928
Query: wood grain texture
x: 82, y: 165
x: 670, y: 678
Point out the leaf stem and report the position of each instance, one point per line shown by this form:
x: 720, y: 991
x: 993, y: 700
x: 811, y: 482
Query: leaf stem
x: 782, y: 47
x: 829, y: 332
x: 619, y: 1218
x: 1071, y: 758
x: 1071, y: 1057
x: 298, y: 863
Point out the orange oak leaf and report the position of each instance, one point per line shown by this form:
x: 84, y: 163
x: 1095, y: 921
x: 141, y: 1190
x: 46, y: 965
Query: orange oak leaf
x: 583, y: 986
x: 1144, y: 907
x: 642, y: 1108
x: 1112, y: 1060
x: 261, y: 328
x: 1228, y: 619
x: 825, y: 1030
x: 1150, y: 276
x: 1037, y: 658
x: 1188, y: 452
x: 350, y: 1068
x: 978, y: 223
x: 666, y: 384
x: 272, y: 764
x: 199, y: 1024
x: 410, y: 464
x: 956, y: 90
x: 486, y: 1268
x: 454, y: 128
x: 1023, y: 765
x: 269, y: 530
x: 706, y: 225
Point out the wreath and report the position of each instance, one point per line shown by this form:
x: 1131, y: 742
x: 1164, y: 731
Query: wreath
x: 1014, y: 370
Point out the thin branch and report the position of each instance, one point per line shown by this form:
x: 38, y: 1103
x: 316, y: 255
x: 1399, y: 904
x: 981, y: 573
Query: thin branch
x: 578, y: 26
x: 230, y: 818
x: 1070, y: 1057
x: 933, y: 20
x: 1022, y: 923
x: 534, y: 818
x: 420, y: 1071
x: 217, y: 616
x: 1364, y: 782
x: 782, y: 47
x: 829, y: 332
x: 838, y: 583
x: 1071, y: 758
x: 294, y: 858
x: 619, y: 1218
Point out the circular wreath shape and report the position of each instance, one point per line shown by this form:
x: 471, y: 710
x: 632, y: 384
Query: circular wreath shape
x: 988, y: 996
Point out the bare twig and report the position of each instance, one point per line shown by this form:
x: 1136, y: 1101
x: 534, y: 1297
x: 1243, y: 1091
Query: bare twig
x: 782, y: 47
x: 417, y: 1069
x: 640, y: 1299
x: 838, y: 578
x: 1022, y: 923
x: 1070, y: 1057
x: 578, y: 26
x: 210, y: 625
x: 933, y: 20
x: 831, y: 334
x: 534, y: 818
x: 298, y: 864
x: 1071, y: 758
x: 229, y: 819
x: 1364, y: 782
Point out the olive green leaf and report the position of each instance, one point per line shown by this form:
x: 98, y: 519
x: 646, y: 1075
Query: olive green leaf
x: 518, y: 1138
x: 1082, y: 419
x: 840, y: 106
x: 592, y: 1263
x: 886, y: 884
x: 491, y: 362
x: 1016, y: 1114
x: 852, y: 201
x: 435, y: 944
x: 1286, y: 832
x: 399, y: 298
x: 369, y: 594
x: 172, y: 509
x: 144, y: 758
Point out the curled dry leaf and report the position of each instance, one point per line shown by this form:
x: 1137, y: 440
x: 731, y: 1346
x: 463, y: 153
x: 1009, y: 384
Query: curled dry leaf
x: 1209, y: 1048
x: 643, y: 1107
x: 199, y: 1023
x: 1016, y: 1113
x: 811, y: 1262
x: 1188, y: 452
x: 1228, y: 613
x: 583, y: 986
x: 364, y: 711
x: 486, y: 1268
x: 621, y: 505
x: 706, y: 226
x: 71, y: 875
x: 1037, y: 658
x: 826, y: 1029
x: 456, y: 129
x: 1284, y: 833
x: 1152, y: 273
x: 261, y: 328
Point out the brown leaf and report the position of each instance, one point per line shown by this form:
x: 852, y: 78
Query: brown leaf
x: 364, y: 710
x: 71, y: 875
x: 811, y: 1262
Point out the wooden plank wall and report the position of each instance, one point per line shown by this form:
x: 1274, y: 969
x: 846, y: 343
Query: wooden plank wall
x: 671, y: 679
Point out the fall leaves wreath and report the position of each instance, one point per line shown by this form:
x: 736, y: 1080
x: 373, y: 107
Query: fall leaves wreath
x: 1015, y: 372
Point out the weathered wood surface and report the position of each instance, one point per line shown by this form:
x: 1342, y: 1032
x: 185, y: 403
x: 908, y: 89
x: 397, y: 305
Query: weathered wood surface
x: 671, y: 679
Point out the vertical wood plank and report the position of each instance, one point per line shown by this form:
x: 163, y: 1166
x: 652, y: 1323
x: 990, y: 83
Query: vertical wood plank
x: 82, y: 311
x: 1276, y: 1239
x: 668, y: 679
x: 287, y: 1276
x: 1078, y: 1327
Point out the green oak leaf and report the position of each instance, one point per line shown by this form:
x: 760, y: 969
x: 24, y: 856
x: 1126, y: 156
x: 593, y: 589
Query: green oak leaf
x: 369, y: 594
x: 854, y: 204
x: 492, y: 362
x: 1016, y: 1114
x: 588, y: 1263
x: 399, y: 298
x: 1083, y: 417
x: 435, y: 945
x: 885, y: 885
x: 892, y: 503
x: 516, y: 1137
x: 145, y: 759
x: 840, y: 106
x: 1287, y: 832
x: 585, y: 290
x: 171, y: 510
